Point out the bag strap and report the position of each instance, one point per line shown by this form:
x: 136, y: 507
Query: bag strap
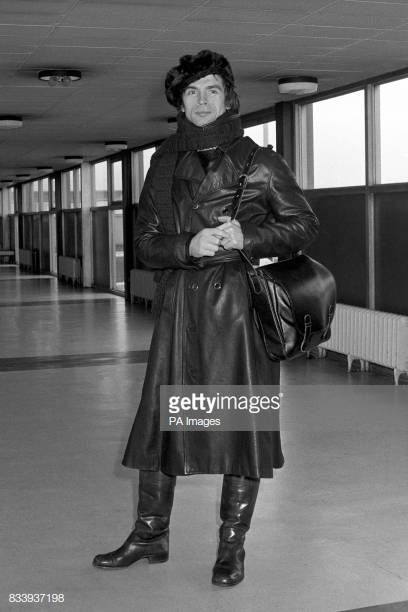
x: 243, y: 179
x: 237, y: 199
x: 236, y: 203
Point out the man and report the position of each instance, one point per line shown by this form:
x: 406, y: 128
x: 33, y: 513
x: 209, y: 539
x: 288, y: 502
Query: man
x: 205, y: 333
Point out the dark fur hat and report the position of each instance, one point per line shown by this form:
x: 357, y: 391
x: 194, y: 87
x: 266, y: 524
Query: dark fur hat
x: 194, y: 67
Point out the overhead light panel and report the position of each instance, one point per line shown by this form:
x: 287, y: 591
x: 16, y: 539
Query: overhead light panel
x: 60, y: 78
x: 115, y: 145
x: 45, y: 168
x: 9, y: 122
x: 298, y: 86
x: 23, y: 176
x: 73, y: 158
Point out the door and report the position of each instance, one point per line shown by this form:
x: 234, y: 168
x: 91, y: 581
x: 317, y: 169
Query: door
x: 100, y: 248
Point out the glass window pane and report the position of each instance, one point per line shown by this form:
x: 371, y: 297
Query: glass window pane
x: 136, y: 182
x: 35, y: 202
x: 71, y: 191
x: 147, y: 156
x: 101, y: 184
x: 394, y: 131
x: 263, y: 134
x: 52, y: 193
x: 26, y: 197
x: 117, y: 253
x: 69, y: 196
x: 77, y: 201
x: 45, y: 196
x: 271, y: 134
x: 11, y: 200
x: 117, y: 189
x: 255, y: 132
x: 339, y: 141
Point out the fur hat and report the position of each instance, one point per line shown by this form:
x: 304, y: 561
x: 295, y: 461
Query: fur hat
x: 194, y: 67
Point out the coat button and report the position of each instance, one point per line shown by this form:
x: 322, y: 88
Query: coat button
x: 195, y: 206
x: 194, y: 286
x: 217, y: 285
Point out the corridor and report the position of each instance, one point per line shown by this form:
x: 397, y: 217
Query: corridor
x: 330, y: 531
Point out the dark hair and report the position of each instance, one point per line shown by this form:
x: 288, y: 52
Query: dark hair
x: 194, y: 67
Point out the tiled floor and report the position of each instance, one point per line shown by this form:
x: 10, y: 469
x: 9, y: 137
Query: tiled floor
x: 330, y: 531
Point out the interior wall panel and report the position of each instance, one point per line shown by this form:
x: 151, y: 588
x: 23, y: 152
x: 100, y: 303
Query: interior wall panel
x: 342, y: 242
x: 391, y: 253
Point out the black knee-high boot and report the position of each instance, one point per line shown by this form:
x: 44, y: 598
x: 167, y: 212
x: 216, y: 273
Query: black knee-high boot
x: 150, y: 537
x: 238, y: 499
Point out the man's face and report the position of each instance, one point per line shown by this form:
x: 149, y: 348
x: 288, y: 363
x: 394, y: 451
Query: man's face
x: 204, y: 100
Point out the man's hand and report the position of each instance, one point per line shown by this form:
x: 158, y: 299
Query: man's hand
x: 233, y: 237
x: 206, y: 242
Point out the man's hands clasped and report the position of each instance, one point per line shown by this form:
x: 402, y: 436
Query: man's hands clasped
x: 208, y: 241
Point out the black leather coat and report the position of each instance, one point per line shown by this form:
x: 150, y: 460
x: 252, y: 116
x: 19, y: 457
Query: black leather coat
x: 205, y: 333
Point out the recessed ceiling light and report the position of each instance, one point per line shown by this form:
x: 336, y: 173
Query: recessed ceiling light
x: 297, y: 86
x: 59, y: 77
x: 45, y: 168
x: 23, y: 175
x: 73, y: 158
x: 116, y: 145
x: 8, y: 122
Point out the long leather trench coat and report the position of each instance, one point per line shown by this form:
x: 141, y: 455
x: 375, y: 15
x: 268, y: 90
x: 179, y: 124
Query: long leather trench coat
x: 205, y: 332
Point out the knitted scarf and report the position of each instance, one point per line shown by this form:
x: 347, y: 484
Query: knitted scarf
x: 189, y: 137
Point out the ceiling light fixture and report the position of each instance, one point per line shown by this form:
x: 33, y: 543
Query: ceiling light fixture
x: 73, y: 158
x: 8, y: 122
x: 21, y: 176
x: 59, y: 78
x: 45, y: 168
x: 298, y: 86
x: 116, y: 145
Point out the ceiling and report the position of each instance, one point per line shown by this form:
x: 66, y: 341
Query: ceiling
x: 125, y: 47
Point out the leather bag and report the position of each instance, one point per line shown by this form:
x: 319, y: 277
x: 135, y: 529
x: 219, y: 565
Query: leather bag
x: 293, y: 299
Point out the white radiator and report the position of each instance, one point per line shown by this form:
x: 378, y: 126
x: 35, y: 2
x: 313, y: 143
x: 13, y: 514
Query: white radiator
x: 69, y: 268
x: 370, y: 336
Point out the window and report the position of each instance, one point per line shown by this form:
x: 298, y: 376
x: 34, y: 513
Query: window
x: 116, y: 181
x: 52, y: 193
x: 140, y: 166
x: 71, y: 188
x: 35, y: 202
x: 393, y: 99
x: 263, y: 134
x: 147, y: 156
x: 100, y: 184
x: 11, y: 201
x: 26, y: 192
x: 336, y: 141
x: 45, y: 194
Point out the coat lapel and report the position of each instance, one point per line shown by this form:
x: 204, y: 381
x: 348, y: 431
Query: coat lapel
x: 189, y: 168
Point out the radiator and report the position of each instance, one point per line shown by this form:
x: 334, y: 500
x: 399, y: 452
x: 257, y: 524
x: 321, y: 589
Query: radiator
x: 141, y: 284
x: 69, y: 268
x: 370, y: 336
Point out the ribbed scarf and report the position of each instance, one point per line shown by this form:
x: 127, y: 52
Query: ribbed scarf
x: 189, y: 137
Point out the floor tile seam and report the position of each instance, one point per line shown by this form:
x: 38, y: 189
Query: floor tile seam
x: 9, y: 364
x: 62, y: 302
